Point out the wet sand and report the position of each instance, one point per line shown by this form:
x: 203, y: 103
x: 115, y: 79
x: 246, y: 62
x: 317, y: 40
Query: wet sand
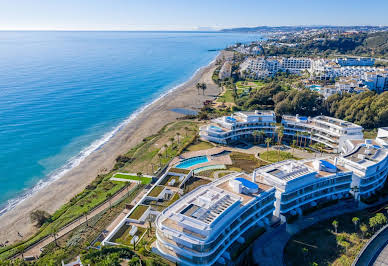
x: 148, y: 122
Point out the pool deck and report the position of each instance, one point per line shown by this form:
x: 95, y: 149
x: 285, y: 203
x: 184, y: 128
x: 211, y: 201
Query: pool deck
x: 222, y: 159
x: 207, y: 152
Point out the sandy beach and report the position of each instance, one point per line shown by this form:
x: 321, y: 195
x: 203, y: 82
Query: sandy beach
x: 148, y: 122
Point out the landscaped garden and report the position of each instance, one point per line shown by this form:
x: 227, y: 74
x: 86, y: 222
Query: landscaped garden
x: 143, y: 179
x: 155, y: 192
x: 125, y: 238
x: 276, y: 156
x: 138, y: 212
x: 335, y: 241
x: 200, y: 145
x: 168, y: 178
x: 244, y: 162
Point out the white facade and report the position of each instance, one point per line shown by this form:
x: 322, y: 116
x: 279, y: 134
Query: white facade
x: 240, y: 125
x: 199, y: 228
x: 382, y: 136
x: 331, y: 132
x: 226, y: 71
x: 351, y: 61
x: 369, y: 162
x: 261, y: 67
x: 304, y: 184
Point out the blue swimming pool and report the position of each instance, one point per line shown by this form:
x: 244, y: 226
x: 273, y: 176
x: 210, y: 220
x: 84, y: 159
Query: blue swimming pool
x: 192, y: 161
x: 247, y: 183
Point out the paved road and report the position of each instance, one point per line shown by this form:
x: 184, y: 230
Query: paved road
x: 36, y: 250
x: 382, y: 259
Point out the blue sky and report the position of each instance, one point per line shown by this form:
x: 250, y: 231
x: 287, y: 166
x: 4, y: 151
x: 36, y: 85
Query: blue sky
x: 184, y: 14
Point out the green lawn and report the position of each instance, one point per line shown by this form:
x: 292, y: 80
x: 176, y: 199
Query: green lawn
x: 144, y: 180
x: 168, y: 178
x: 156, y: 191
x: 244, y: 162
x: 275, y: 156
x: 138, y: 212
x: 199, y: 146
x: 226, y: 97
x: 123, y: 236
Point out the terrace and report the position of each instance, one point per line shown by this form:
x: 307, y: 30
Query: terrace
x: 155, y: 192
x: 138, y: 212
x: 124, y: 237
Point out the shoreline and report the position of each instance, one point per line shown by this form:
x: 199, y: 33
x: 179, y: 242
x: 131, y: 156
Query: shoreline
x: 94, y: 146
x: 147, y: 120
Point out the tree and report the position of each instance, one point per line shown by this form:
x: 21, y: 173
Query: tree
x: 344, y: 244
x: 178, y: 135
x: 305, y: 251
x: 335, y: 225
x: 109, y: 197
x: 165, y: 148
x: 39, y: 217
x: 293, y: 146
x: 86, y: 217
x: 54, y: 232
x: 355, y: 221
x: 198, y: 86
x: 255, y: 134
x: 172, y: 141
x: 203, y: 87
x: 268, y: 141
x: 186, y: 129
x: 363, y: 229
x: 160, y: 159
x: 261, y: 135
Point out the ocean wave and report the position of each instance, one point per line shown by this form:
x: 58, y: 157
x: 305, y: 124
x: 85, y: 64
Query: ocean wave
x: 95, y: 146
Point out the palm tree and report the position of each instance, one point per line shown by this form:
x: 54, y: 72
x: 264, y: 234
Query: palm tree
x: 186, y: 129
x: 268, y: 141
x: 178, y: 135
x: 54, y: 234
x: 203, y: 87
x: 255, y: 134
x: 198, y: 86
x: 149, y: 227
x: 297, y: 138
x: 305, y: 134
x: 160, y: 159
x: 293, y: 146
x: 273, y: 132
x: 261, y: 135
x: 172, y: 141
x: 335, y: 225
x: 86, y: 217
x: 363, y: 229
x: 355, y: 221
x: 108, y: 196
x: 165, y: 148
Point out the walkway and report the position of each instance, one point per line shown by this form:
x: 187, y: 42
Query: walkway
x: 376, y: 251
x: 35, y: 250
x: 382, y: 259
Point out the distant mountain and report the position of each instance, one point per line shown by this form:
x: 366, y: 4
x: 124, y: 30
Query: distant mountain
x: 300, y: 28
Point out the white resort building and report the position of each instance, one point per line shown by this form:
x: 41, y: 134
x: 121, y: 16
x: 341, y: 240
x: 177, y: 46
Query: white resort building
x: 368, y: 159
x: 331, y: 132
x: 200, y: 228
x: 303, y: 184
x: 240, y: 125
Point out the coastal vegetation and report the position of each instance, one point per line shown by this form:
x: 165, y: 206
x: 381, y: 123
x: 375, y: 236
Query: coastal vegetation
x: 335, y: 241
x: 357, y: 44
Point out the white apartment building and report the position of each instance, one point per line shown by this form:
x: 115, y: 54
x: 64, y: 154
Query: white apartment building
x: 199, y: 228
x: 225, y: 71
x: 376, y: 80
x: 240, y: 125
x: 368, y: 160
x: 304, y: 184
x: 382, y: 136
x: 351, y: 61
x: 295, y: 65
x: 331, y: 132
x: 261, y: 67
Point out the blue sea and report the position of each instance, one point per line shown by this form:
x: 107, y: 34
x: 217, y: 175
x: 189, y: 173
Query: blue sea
x: 63, y: 93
